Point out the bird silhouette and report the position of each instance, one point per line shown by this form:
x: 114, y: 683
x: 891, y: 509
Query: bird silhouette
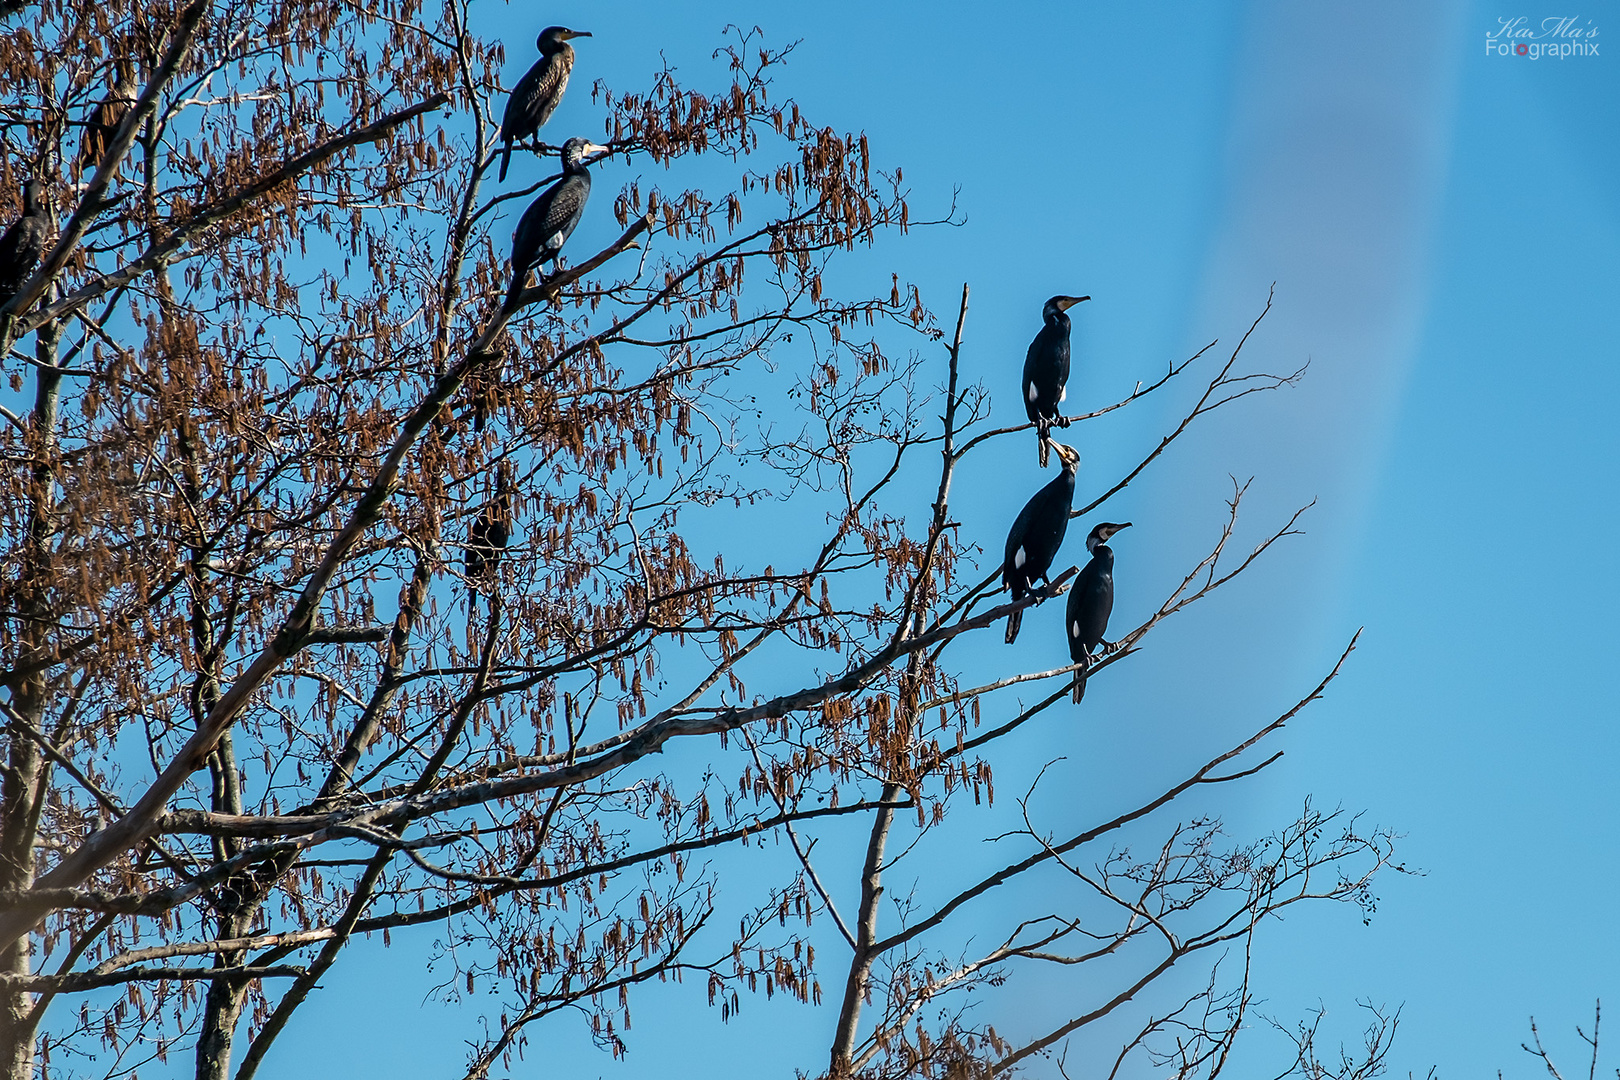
x: 105, y: 119
x: 1090, y: 603
x: 490, y: 533
x: 1037, y: 533
x: 23, y: 243
x: 1046, y: 371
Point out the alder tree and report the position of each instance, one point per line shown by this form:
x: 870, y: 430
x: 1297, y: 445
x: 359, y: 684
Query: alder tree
x: 275, y: 692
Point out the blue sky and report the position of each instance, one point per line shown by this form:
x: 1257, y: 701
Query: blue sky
x: 1443, y: 229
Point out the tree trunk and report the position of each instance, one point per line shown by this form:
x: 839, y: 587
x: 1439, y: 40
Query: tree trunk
x: 24, y: 788
x: 237, y: 903
x: 860, y: 967
x: 17, y: 825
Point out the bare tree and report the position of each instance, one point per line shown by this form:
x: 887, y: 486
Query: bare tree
x: 1372, y: 1059
x: 260, y: 708
x: 1536, y: 1050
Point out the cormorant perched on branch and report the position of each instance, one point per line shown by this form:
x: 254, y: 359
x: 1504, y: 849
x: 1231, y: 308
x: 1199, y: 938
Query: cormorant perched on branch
x: 539, y: 92
x: 105, y: 119
x: 489, y: 535
x: 24, y: 242
x: 1037, y: 533
x: 545, y: 226
x: 1046, y: 370
x: 1090, y: 602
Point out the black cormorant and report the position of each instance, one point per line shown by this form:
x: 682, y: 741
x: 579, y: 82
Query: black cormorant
x: 1037, y: 533
x: 1046, y: 370
x: 1090, y: 602
x: 489, y: 535
x: 105, y: 119
x: 547, y: 223
x: 24, y: 242
x: 538, y: 93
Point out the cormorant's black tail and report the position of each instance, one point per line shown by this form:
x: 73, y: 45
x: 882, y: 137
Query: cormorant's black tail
x: 1013, y: 622
x: 1044, y: 433
x: 1080, y: 678
x: 513, y: 293
x: 506, y: 159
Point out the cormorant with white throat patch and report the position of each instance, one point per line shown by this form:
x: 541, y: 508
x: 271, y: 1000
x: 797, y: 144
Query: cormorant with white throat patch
x: 1091, y: 602
x: 1046, y: 370
x: 546, y: 225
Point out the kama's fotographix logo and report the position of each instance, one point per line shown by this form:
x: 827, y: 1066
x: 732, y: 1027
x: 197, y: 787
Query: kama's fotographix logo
x: 1557, y: 36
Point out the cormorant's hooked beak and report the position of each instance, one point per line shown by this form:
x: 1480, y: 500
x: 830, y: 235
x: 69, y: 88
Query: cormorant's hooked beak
x: 576, y: 33
x: 1067, y: 454
x: 1064, y: 303
x: 1110, y: 530
x: 594, y: 148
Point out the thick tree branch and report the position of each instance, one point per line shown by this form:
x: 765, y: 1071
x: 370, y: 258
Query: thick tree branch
x: 140, y: 821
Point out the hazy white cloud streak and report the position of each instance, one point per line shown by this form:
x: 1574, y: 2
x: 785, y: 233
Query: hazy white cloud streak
x: 1336, y: 153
